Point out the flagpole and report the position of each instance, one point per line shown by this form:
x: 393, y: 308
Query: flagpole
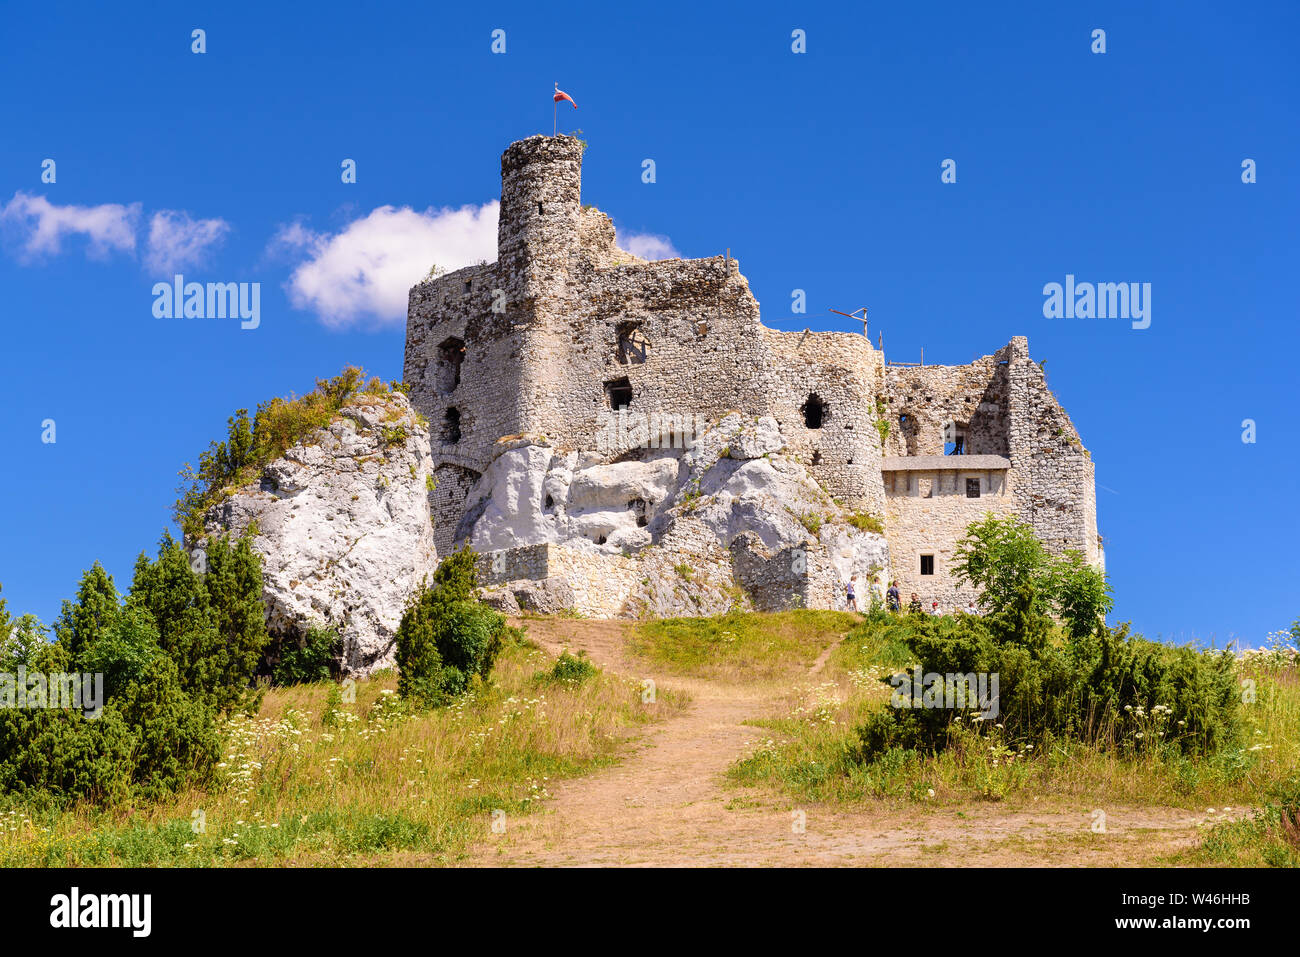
x: 555, y: 111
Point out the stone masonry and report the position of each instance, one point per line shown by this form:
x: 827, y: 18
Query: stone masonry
x: 543, y: 348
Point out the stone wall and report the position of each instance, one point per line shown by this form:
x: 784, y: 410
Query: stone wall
x: 926, y: 513
x: 1001, y: 406
x: 1052, y: 473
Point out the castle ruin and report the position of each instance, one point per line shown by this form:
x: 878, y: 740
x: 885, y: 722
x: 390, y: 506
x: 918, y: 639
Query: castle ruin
x: 543, y: 348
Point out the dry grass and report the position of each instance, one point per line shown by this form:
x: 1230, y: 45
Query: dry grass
x: 364, y: 785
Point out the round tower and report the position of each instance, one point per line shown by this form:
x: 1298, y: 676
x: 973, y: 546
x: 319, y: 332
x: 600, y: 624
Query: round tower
x: 541, y: 206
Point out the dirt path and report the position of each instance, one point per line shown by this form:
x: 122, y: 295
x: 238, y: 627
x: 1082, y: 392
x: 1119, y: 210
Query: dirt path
x: 666, y: 804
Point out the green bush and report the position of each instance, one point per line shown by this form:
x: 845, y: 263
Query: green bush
x: 1114, y: 689
x: 211, y: 624
x: 1061, y: 672
x: 306, y: 658
x: 571, y: 669
x: 445, y: 636
x: 176, y: 743
x: 58, y: 752
x: 182, y: 647
x: 1004, y: 559
x: 866, y: 522
x: 122, y: 651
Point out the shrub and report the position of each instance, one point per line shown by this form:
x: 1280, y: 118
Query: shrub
x: 445, y: 636
x: 1115, y: 690
x: 176, y: 743
x: 866, y: 522
x: 182, y: 647
x: 306, y: 658
x: 60, y: 753
x: 122, y: 651
x: 150, y: 738
x: 571, y: 669
x: 211, y: 624
x: 811, y: 521
x: 1004, y: 559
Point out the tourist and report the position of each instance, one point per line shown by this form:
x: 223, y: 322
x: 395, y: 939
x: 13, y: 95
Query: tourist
x: 850, y: 595
x: 914, y: 606
x: 892, y: 598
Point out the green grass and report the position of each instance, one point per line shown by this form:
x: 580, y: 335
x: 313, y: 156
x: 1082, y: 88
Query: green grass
x: 363, y: 785
x: 740, y: 646
x: 866, y: 522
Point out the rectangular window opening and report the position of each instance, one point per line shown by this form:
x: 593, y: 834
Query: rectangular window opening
x: 927, y: 564
x: 972, y: 488
x: 618, y: 393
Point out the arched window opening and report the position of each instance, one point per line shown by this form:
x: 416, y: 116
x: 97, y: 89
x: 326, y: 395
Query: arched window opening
x: 815, y: 412
x: 451, y: 354
x: 451, y: 427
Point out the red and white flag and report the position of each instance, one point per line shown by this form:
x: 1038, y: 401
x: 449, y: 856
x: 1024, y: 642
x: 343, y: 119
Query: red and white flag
x: 561, y: 95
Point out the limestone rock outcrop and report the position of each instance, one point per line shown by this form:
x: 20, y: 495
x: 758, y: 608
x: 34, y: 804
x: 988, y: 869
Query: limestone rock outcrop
x: 343, y: 527
x: 728, y: 522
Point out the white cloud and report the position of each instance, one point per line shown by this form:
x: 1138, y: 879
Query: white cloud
x: 176, y: 240
x: 367, y: 269
x: 647, y: 245
x: 42, y: 226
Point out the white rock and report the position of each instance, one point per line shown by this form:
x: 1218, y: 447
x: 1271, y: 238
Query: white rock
x: 732, y: 487
x: 343, y: 528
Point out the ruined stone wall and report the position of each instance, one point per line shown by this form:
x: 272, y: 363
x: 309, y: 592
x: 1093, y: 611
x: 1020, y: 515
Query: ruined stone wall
x: 1003, y: 406
x: 1052, y: 473
x: 566, y: 327
x: 547, y: 328
x: 974, y: 396
x: 692, y: 347
x: 843, y: 376
x: 926, y: 513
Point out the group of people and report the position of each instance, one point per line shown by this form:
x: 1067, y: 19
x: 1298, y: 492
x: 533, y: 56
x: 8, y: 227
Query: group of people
x: 894, y: 602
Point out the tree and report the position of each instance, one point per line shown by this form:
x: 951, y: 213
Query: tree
x: 446, y: 637
x: 96, y: 606
x: 1004, y: 558
x: 212, y: 625
x: 1001, y: 557
x: 26, y: 637
x: 122, y: 651
x: 1082, y: 594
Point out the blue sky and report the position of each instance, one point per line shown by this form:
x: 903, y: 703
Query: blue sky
x: 820, y: 171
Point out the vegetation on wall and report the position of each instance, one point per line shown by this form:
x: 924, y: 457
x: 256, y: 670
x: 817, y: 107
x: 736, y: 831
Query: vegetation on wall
x: 250, y: 446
